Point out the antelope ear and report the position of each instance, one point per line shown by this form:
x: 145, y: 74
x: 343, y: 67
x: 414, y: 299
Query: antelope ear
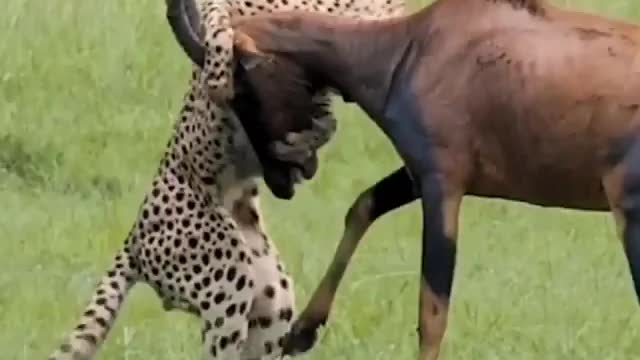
x: 246, y: 51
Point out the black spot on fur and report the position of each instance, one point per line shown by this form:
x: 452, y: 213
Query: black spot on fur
x: 231, y: 310
x: 240, y: 284
x: 224, y: 341
x: 197, y: 269
x: 286, y: 314
x: 284, y: 283
x: 218, y: 322
x: 217, y: 275
x: 235, y: 336
x: 219, y: 297
x: 264, y: 322
x: 269, y: 291
x: 101, y: 321
x: 231, y: 273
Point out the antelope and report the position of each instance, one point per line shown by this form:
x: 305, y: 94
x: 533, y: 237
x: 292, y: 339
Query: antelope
x: 513, y: 99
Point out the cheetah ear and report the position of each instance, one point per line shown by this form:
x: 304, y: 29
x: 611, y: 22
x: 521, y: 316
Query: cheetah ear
x: 246, y: 51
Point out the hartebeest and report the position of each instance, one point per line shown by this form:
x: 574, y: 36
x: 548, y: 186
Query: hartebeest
x: 512, y: 99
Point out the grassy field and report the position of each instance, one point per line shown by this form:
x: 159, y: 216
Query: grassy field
x: 88, y: 94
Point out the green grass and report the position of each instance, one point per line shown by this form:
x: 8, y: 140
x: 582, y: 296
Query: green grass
x: 88, y: 94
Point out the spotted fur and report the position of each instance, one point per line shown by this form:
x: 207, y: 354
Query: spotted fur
x: 198, y: 239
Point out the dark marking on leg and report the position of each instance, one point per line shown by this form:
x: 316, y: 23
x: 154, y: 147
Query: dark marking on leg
x: 618, y: 148
x: 432, y: 323
x: 631, y: 212
x: 438, y: 267
x: 438, y: 250
x: 406, y: 122
x: 392, y: 192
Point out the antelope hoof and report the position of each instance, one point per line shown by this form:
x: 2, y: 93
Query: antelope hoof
x: 302, y: 337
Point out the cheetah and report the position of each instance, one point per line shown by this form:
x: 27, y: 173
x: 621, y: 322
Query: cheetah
x: 199, y: 240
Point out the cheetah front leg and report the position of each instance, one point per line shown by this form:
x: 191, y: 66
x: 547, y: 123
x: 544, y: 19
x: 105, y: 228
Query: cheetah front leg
x: 270, y: 317
x: 273, y: 307
x: 218, y: 40
x: 223, y: 338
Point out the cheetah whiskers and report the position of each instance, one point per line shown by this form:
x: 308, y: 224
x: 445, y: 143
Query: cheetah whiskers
x: 101, y: 312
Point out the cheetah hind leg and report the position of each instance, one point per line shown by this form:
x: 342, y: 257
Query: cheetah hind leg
x: 223, y: 338
x: 270, y: 317
x: 267, y: 332
x: 101, y: 312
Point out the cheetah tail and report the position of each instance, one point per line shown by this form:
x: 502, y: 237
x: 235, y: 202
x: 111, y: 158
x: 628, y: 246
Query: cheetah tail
x: 100, y: 313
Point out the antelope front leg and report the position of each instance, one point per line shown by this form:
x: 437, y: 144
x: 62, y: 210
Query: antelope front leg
x: 390, y: 193
x: 622, y: 186
x: 438, y: 264
x: 410, y: 120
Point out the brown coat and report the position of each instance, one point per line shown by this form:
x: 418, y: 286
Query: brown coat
x: 516, y: 99
x: 525, y: 101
